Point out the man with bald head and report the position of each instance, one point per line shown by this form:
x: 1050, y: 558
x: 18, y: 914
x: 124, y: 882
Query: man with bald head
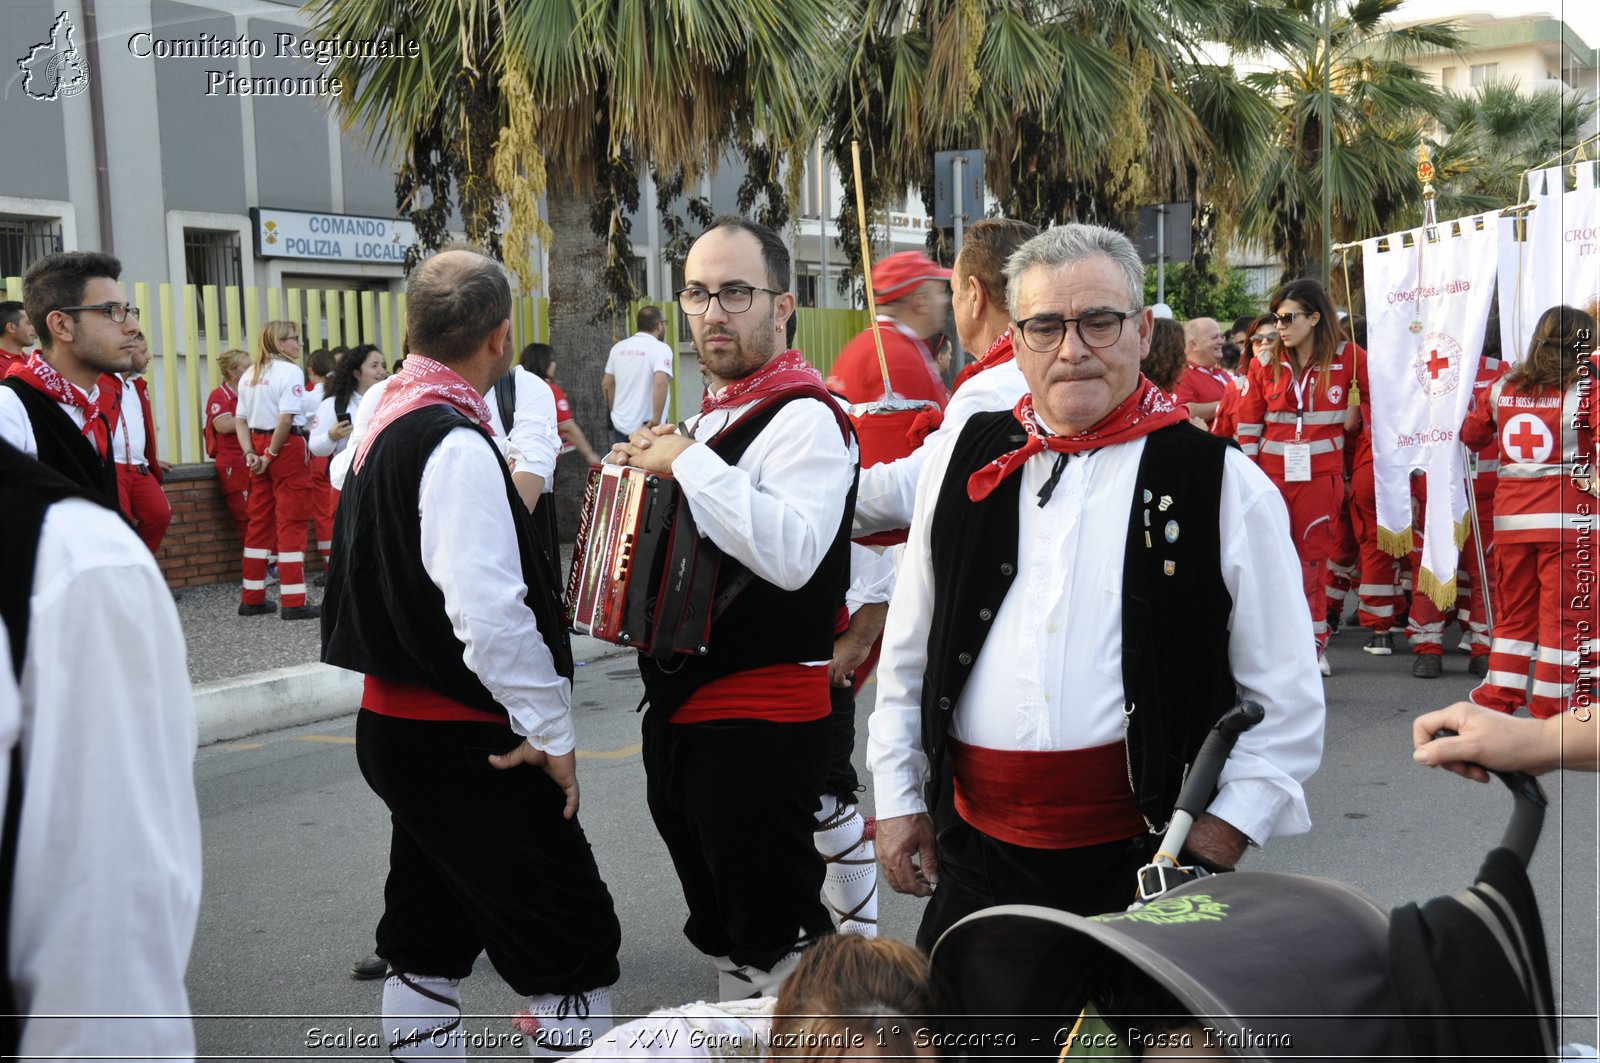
x: 439, y: 593
x: 1203, y: 379
x: 1062, y: 632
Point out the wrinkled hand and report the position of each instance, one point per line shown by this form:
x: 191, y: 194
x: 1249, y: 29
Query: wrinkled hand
x: 651, y: 449
x: 906, y: 853
x: 1484, y: 739
x: 1216, y: 840
x: 848, y: 653
x: 562, y: 769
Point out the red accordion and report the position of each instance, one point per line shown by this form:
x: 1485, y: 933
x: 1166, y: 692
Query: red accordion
x: 642, y: 575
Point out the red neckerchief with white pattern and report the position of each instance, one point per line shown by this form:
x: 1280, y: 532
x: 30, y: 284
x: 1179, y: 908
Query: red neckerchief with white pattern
x: 999, y: 353
x: 423, y: 382
x: 1141, y: 413
x: 788, y: 372
x: 42, y: 377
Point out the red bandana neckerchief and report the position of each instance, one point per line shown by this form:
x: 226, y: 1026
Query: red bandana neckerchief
x: 1141, y: 413
x: 999, y: 353
x: 422, y: 382
x: 788, y: 372
x: 42, y: 377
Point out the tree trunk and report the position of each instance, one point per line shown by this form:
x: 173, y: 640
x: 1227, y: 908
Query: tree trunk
x: 577, y: 258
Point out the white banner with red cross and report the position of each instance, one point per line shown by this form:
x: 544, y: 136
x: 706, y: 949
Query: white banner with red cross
x: 1428, y: 302
x: 1551, y: 254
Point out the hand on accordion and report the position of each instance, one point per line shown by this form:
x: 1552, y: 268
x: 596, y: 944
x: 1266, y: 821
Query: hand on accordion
x: 651, y: 449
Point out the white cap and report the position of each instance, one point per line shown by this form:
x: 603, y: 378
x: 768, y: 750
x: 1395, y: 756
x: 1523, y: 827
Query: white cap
x: 1161, y: 310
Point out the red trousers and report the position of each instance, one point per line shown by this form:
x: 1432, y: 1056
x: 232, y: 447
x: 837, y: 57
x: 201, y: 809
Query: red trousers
x: 144, y: 504
x: 1313, y: 507
x: 1427, y: 621
x: 233, y: 480
x: 1544, y: 614
x: 323, y: 501
x: 280, y: 505
x: 1343, y: 564
x: 1377, y: 590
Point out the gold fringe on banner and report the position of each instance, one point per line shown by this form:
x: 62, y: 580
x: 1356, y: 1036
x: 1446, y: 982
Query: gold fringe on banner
x: 1463, y: 530
x: 1395, y: 543
x: 1441, y: 592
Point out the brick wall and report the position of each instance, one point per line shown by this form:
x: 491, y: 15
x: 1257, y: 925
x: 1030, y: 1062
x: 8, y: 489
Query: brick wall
x: 201, y: 546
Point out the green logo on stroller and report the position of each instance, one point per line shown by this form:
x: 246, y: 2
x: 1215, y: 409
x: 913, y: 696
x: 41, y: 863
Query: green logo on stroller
x: 1193, y: 908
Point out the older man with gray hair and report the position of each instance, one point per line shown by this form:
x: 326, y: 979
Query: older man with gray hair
x: 439, y: 594
x: 1035, y: 647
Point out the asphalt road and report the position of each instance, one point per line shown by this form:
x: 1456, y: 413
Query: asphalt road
x: 295, y: 856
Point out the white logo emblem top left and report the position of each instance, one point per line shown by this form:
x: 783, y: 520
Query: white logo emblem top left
x: 55, y: 69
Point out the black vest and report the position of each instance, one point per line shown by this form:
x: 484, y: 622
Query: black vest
x: 62, y: 444
x: 382, y: 615
x: 27, y: 489
x: 1175, y: 606
x: 764, y: 624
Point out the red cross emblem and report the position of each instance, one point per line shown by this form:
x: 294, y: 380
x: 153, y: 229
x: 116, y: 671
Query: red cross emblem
x: 1527, y: 440
x: 1437, y: 363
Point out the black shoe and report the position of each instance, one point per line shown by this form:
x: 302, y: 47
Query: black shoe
x: 1335, y: 619
x: 1427, y: 665
x: 369, y: 967
x: 320, y: 579
x: 259, y: 609
x: 1381, y: 644
x: 300, y: 612
x: 1479, y: 665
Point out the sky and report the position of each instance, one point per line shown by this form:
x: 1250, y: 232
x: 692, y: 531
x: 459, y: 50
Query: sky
x: 1582, y: 15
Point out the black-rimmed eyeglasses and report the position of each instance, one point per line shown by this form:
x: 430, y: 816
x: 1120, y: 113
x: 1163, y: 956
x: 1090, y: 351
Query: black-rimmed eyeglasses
x: 1098, y: 328
x: 117, y: 312
x: 733, y: 298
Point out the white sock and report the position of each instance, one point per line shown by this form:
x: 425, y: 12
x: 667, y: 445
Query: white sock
x: 556, y: 1024
x: 850, y: 886
x: 422, y: 1017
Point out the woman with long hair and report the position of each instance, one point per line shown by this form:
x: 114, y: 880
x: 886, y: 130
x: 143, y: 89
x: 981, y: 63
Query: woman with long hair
x: 353, y: 372
x: 1164, y: 363
x: 1543, y: 522
x: 540, y: 360
x: 1296, y: 407
x: 222, y: 441
x: 271, y: 429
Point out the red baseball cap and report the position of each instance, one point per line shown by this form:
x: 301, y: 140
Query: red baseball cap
x: 899, y: 275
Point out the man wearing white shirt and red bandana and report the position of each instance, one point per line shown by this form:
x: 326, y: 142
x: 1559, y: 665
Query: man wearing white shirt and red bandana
x: 440, y: 595
x: 1047, y: 676
x: 737, y: 742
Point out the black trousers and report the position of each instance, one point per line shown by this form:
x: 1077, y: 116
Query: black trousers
x: 735, y: 802
x: 842, y: 781
x: 977, y: 871
x: 482, y: 860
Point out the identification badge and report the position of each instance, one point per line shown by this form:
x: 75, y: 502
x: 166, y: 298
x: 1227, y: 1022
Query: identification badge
x: 1297, y: 462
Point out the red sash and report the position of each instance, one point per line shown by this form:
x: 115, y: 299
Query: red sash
x: 1058, y: 799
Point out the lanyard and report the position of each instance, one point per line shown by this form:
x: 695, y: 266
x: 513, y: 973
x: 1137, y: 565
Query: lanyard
x: 1300, y: 398
x: 127, y: 444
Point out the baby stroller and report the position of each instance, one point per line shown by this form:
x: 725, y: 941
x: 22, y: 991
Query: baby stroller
x: 1269, y: 965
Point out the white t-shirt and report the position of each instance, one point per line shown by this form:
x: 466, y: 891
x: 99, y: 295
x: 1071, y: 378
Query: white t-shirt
x: 282, y: 390
x: 634, y: 364
x: 129, y: 442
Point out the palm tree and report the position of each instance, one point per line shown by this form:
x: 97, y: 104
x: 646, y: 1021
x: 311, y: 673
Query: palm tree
x: 1380, y: 106
x: 513, y: 99
x: 1488, y: 138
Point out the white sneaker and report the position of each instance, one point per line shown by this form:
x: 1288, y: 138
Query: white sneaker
x: 1323, y: 666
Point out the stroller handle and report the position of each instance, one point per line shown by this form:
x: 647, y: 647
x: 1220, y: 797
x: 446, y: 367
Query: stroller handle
x: 1207, y: 767
x: 1527, y: 812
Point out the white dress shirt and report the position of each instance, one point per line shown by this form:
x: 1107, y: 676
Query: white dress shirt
x: 17, y: 429
x: 469, y: 549
x: 888, y: 491
x: 322, y: 444
x: 129, y: 441
x: 1050, y: 674
x: 339, y: 467
x: 108, y: 851
x: 533, y: 441
x: 777, y: 510
x: 871, y: 577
